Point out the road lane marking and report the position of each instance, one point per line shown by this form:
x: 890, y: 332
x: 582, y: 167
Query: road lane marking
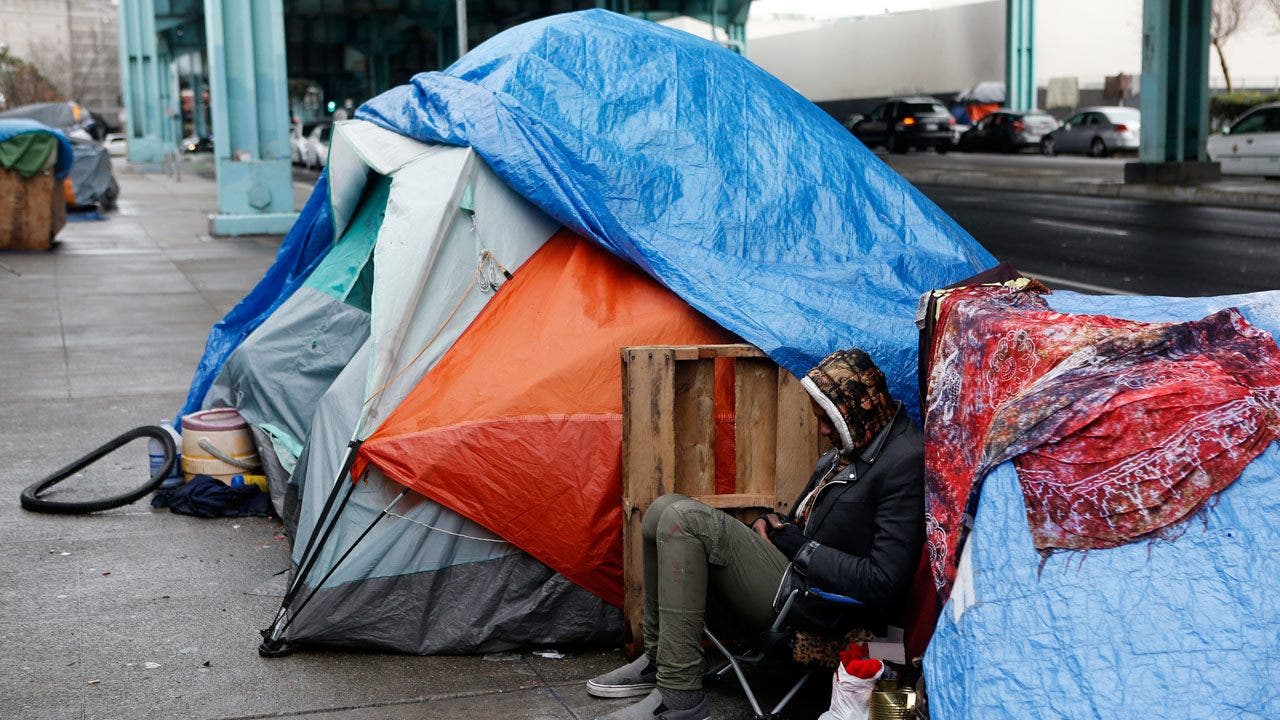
x: 1080, y: 226
x: 1065, y: 284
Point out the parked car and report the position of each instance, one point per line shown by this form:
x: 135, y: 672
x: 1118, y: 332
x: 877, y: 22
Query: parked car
x: 298, y: 141
x: 117, y: 145
x: 194, y: 144
x: 315, y: 146
x: 1251, y: 144
x: 1097, y: 131
x: 904, y: 123
x: 1007, y: 131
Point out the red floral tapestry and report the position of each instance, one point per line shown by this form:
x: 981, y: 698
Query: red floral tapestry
x: 1117, y: 428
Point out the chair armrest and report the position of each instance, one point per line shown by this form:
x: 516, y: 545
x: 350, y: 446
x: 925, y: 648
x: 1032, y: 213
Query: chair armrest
x: 833, y: 597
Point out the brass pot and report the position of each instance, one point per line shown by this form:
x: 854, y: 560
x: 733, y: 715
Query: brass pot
x: 892, y: 701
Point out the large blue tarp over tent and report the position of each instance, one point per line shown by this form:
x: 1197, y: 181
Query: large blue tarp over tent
x: 1182, y: 628
x: 727, y: 186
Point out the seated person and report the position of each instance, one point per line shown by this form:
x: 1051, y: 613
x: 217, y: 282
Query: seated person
x: 856, y: 530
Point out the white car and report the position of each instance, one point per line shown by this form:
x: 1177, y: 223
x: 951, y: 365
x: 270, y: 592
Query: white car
x: 117, y: 145
x: 296, y: 140
x: 315, y: 146
x: 1251, y: 145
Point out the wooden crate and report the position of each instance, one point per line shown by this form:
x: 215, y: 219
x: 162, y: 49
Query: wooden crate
x: 32, y: 210
x: 668, y: 441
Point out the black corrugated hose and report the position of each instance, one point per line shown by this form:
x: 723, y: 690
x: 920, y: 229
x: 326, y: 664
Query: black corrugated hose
x: 32, y: 501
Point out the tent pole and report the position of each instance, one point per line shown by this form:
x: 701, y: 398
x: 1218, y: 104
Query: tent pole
x: 347, y: 461
x: 272, y: 644
x: 343, y: 558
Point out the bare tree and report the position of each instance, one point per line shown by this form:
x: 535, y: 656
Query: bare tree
x: 21, y: 82
x: 1225, y: 19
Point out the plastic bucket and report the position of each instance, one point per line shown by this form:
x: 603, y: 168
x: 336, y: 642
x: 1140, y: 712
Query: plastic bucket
x: 155, y: 453
x: 217, y: 443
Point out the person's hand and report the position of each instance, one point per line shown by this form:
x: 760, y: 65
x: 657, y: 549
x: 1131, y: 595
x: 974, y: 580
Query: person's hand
x: 760, y: 526
x: 764, y: 524
x: 788, y: 538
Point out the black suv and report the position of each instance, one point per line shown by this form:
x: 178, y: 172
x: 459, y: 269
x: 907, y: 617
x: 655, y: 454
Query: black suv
x: 904, y: 123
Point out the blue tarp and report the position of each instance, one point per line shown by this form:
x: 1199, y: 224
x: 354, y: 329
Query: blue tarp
x: 1184, y: 628
x: 21, y: 126
x: 724, y: 184
x: 308, y: 241
x: 727, y: 186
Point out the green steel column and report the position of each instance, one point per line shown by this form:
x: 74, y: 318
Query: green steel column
x: 737, y: 28
x: 1020, y: 58
x: 248, y: 90
x: 199, y: 115
x: 140, y: 80
x: 169, y: 97
x: 1175, y: 81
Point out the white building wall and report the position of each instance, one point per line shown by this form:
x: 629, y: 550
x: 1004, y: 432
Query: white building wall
x: 951, y: 47
x: 922, y: 51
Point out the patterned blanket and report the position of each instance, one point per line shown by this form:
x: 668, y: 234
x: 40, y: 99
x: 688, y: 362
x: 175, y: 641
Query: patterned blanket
x: 1118, y: 429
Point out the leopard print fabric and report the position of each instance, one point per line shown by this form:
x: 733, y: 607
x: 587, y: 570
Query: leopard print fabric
x: 810, y: 649
x: 858, y: 389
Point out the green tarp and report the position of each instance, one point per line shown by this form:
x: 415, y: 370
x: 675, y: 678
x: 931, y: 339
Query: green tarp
x: 27, y: 153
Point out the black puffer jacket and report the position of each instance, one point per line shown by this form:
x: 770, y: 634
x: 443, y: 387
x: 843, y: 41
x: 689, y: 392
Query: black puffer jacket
x: 868, y: 526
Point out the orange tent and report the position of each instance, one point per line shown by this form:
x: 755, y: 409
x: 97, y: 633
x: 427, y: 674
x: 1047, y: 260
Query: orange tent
x: 518, y: 427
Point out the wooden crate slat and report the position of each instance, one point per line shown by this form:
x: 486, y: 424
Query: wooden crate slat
x: 755, y: 412
x: 704, y: 352
x: 648, y: 460
x: 738, y: 501
x: 797, y: 452
x: 694, y: 427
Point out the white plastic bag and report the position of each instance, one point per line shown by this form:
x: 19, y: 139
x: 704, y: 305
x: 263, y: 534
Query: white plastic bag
x: 850, y: 695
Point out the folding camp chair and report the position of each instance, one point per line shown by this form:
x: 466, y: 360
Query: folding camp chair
x: 766, y: 644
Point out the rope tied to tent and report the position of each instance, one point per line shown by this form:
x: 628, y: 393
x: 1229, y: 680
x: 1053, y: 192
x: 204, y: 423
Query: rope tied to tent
x: 442, y: 530
x: 484, y: 279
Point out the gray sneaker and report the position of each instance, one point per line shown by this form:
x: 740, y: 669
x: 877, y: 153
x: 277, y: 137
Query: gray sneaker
x: 635, y: 678
x: 651, y: 708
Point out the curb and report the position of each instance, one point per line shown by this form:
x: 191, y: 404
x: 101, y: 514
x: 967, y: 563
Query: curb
x: 1182, y: 194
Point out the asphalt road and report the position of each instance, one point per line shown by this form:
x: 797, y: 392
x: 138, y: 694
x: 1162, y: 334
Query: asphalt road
x: 1105, y: 245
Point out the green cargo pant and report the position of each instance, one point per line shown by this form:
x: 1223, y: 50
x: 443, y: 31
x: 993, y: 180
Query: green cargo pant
x: 696, y: 556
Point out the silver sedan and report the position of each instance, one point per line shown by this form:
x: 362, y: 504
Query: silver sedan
x: 1097, y: 131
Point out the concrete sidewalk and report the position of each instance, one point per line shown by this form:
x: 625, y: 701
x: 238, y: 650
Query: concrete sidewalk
x: 140, y: 613
x: 1070, y: 175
